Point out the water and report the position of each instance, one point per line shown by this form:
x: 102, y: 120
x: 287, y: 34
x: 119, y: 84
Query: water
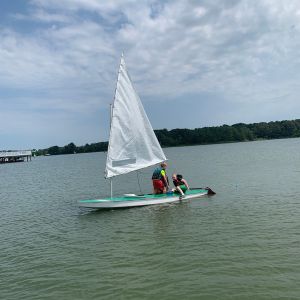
x: 242, y: 243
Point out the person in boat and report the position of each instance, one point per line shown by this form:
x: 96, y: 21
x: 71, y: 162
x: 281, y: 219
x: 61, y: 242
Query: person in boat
x: 181, y: 185
x: 160, y: 179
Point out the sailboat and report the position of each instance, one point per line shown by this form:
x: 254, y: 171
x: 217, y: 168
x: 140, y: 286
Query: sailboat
x: 133, y: 146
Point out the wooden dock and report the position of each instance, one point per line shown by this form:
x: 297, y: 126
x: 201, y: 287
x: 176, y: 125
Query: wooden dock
x: 15, y: 156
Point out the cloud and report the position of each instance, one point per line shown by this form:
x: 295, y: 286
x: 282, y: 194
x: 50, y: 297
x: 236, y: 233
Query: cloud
x: 65, y: 54
x: 40, y: 15
x: 182, y: 44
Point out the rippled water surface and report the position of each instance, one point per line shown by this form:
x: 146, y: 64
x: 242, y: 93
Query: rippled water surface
x: 242, y: 243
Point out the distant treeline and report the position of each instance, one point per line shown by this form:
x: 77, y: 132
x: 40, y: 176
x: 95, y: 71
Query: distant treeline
x: 207, y: 135
x: 72, y: 148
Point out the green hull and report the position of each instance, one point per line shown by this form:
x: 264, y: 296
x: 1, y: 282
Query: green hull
x: 142, y: 200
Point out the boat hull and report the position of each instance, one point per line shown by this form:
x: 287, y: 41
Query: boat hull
x: 143, y: 200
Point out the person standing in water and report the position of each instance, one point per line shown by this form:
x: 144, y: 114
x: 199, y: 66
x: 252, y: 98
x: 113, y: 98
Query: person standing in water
x: 160, y: 179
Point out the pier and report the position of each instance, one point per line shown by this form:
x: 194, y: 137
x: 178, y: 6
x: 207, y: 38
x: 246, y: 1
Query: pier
x: 15, y: 156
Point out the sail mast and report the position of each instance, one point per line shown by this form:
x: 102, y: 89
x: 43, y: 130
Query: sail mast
x: 111, y: 117
x: 111, y: 179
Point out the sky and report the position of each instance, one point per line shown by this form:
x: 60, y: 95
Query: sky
x: 193, y: 63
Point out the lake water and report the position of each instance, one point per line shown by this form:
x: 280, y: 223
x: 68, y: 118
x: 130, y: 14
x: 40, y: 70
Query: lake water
x: 242, y: 243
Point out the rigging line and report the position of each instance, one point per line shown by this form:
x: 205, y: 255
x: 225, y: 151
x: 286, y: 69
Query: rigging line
x: 138, y: 179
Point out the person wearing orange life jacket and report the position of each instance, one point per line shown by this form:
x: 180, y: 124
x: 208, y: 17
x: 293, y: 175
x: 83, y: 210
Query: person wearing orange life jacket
x: 160, y: 179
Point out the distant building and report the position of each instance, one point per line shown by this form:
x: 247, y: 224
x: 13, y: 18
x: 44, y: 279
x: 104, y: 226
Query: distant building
x: 15, y: 156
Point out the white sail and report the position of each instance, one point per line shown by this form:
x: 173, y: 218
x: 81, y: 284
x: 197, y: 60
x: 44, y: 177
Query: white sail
x: 132, y: 142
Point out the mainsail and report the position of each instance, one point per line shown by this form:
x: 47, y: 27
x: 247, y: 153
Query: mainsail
x: 132, y: 141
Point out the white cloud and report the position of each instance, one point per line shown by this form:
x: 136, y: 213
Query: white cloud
x: 41, y: 15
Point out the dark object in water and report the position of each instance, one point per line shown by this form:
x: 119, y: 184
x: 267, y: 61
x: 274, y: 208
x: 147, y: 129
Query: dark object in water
x: 210, y: 191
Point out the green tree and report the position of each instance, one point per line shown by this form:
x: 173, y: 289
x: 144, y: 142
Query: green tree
x: 54, y: 150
